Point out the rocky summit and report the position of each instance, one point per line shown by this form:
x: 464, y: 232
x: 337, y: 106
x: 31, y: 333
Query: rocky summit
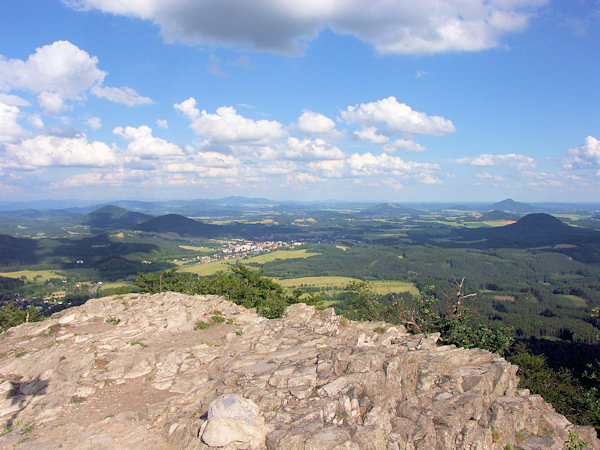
x: 177, y: 371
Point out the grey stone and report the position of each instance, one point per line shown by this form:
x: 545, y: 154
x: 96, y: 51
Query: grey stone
x: 303, y: 381
x: 234, y: 406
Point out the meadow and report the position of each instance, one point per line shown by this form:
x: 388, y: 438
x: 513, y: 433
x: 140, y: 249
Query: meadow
x: 337, y: 283
x: 37, y: 276
x: 206, y: 269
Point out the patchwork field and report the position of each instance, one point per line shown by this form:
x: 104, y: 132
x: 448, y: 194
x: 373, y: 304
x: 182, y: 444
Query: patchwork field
x: 577, y: 301
x: 280, y: 254
x: 209, y: 268
x: 195, y: 249
x: 338, y: 284
x: 39, y: 276
x: 214, y: 267
x: 117, y: 284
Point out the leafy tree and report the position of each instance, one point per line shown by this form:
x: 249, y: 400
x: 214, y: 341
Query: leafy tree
x: 11, y: 316
x: 242, y: 286
x: 363, y: 302
x: 168, y: 280
x: 579, y: 404
x: 423, y: 315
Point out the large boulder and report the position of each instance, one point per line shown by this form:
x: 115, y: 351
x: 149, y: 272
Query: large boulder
x: 234, y: 419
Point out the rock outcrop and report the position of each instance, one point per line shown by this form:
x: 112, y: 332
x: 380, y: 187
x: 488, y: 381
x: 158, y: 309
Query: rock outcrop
x: 133, y: 372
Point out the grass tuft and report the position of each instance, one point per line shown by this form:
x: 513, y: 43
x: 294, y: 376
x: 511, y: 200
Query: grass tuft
x: 201, y: 325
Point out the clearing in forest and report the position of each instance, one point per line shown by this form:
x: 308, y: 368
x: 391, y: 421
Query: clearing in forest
x: 213, y: 267
x: 338, y: 283
x: 40, y: 276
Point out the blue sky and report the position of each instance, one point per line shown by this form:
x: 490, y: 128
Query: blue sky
x: 463, y: 100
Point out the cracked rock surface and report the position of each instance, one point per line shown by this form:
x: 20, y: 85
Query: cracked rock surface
x: 131, y: 371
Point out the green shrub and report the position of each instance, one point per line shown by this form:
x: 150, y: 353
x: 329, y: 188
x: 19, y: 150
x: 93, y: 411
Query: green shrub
x: 496, y: 436
x: 579, y: 404
x: 201, y: 325
x: 113, y: 320
x: 422, y: 315
x: 575, y: 442
x: 11, y: 316
x: 242, y: 286
x: 27, y: 427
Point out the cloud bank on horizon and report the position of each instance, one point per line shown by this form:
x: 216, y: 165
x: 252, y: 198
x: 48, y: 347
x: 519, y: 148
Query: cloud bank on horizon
x: 67, y: 130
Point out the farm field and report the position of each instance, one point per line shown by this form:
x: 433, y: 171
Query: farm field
x: 338, y: 283
x: 207, y: 269
x: 577, y: 301
x: 280, y: 254
x: 40, y: 276
x: 194, y: 248
x: 117, y: 284
x: 214, y: 267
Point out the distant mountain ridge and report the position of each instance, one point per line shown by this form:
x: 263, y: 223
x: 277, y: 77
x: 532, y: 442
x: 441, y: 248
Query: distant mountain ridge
x: 17, y: 250
x: 532, y: 230
x: 498, y: 215
x: 236, y: 206
x: 175, y: 223
x: 509, y: 205
x: 114, y: 217
x: 389, y: 210
x: 540, y: 223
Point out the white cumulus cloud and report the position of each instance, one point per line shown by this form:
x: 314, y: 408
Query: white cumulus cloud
x: 60, y: 67
x: 329, y: 168
x: 370, y: 134
x: 45, y: 151
x: 227, y: 126
x: 554, y: 179
x: 62, y: 71
x: 124, y: 95
x: 394, y: 184
x: 307, y: 149
x: 406, y: 144
x: 489, y: 176
x: 256, y: 152
x: 142, y: 144
x: 95, y: 123
x: 52, y: 102
x: 369, y: 164
x: 13, y: 100
x: 36, y: 121
x: 513, y: 160
x: 391, y: 26
x: 302, y: 178
x: 10, y: 130
x: 312, y: 122
x: 587, y: 155
x: 398, y: 117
